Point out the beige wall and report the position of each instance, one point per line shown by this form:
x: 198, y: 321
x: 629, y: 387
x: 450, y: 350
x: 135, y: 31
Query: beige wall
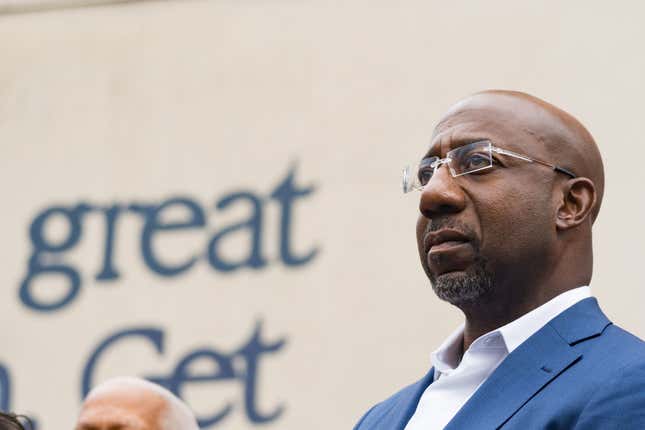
x: 142, y: 102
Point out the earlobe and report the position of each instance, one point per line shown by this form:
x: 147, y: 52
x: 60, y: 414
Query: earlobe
x: 577, y: 201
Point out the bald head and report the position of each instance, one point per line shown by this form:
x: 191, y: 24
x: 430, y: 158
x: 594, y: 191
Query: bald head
x: 134, y: 404
x: 558, y: 136
x: 524, y: 231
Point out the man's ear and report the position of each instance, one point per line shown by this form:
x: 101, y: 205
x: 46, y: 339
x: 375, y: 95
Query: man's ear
x: 576, y: 204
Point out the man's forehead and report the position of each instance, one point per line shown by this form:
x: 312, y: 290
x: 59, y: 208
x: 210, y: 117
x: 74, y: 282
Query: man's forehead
x: 101, y: 415
x: 455, y: 137
x: 496, y: 103
x: 132, y: 406
x: 128, y: 395
x: 512, y: 125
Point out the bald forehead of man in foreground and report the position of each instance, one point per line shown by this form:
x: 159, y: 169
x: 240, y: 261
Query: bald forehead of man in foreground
x: 510, y: 187
x: 134, y: 404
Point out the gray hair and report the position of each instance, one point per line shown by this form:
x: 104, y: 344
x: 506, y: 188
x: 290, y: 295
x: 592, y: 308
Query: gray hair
x: 176, y: 417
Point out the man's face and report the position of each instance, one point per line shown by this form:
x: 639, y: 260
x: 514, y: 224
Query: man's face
x: 122, y: 409
x: 485, y: 234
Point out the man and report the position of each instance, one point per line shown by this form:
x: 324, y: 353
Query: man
x: 134, y: 404
x: 510, y: 188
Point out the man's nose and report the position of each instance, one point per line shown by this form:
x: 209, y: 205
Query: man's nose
x: 441, y: 195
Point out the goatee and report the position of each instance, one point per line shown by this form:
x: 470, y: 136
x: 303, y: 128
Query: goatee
x: 464, y: 288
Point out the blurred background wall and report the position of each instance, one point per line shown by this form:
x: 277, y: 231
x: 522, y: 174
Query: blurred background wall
x: 206, y: 193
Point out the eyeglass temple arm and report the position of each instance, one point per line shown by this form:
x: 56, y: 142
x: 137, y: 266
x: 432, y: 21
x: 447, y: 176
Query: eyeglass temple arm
x: 531, y: 160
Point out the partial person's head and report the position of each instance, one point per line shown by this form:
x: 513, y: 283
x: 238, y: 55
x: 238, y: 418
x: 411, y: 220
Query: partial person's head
x: 520, y: 230
x: 10, y: 422
x: 134, y: 404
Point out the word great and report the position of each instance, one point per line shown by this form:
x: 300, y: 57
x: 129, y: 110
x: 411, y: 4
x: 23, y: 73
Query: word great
x: 185, y: 372
x: 46, y: 257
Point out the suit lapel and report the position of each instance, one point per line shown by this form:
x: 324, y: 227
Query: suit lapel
x: 402, y: 410
x: 531, y: 366
x: 537, y: 361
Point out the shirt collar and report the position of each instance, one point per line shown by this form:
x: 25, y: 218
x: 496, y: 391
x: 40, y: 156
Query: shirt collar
x: 516, y: 332
x: 448, y: 355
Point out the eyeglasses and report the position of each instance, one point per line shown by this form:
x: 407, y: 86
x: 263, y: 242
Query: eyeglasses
x: 464, y: 160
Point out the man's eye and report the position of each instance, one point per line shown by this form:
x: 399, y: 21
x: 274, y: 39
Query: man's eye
x: 425, y: 173
x: 475, y: 161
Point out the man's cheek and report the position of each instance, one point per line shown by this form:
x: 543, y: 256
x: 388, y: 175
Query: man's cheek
x: 422, y: 225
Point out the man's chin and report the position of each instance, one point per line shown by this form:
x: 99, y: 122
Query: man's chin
x: 462, y: 287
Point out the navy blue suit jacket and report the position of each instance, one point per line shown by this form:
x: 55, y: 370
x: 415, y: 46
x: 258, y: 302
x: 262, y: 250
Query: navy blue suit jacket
x: 579, y: 371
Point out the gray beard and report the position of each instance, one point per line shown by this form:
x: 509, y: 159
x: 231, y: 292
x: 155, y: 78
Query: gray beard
x: 464, y: 288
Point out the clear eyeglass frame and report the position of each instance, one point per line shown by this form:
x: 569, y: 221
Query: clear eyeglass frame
x: 464, y: 160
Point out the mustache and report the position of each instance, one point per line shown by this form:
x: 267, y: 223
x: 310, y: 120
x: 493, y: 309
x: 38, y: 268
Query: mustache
x: 437, y: 224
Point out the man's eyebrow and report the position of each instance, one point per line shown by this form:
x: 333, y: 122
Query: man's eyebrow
x: 455, y: 142
x: 113, y: 426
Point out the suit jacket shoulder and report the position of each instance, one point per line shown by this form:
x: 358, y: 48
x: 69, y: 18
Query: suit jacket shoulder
x: 578, y: 371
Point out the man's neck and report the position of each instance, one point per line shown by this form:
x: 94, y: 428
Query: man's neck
x: 482, y: 318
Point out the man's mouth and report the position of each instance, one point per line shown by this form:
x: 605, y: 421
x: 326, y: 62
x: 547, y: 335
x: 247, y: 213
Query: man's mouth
x: 448, y: 250
x: 446, y: 246
x: 444, y: 239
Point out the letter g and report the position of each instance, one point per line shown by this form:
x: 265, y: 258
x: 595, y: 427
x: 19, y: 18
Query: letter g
x: 40, y: 264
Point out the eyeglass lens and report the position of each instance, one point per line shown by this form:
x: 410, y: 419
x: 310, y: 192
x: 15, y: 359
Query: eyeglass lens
x: 465, y: 159
x: 461, y: 161
x: 470, y: 158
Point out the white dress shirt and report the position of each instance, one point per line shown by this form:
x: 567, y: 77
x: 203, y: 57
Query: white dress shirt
x: 456, y: 378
